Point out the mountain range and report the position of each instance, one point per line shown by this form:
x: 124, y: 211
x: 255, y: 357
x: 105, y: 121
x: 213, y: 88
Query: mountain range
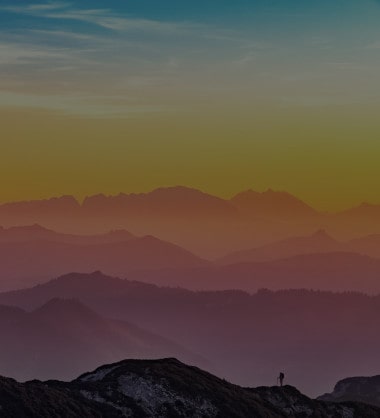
x: 32, y: 254
x: 315, y: 337
x: 64, y: 338
x: 206, y: 225
x: 162, y: 388
x: 336, y: 272
x: 38, y: 233
x: 317, y: 243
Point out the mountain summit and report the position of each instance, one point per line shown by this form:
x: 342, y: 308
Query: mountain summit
x: 272, y: 203
x: 162, y: 388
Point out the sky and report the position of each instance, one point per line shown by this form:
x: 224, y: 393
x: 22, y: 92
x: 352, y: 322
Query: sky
x: 126, y: 96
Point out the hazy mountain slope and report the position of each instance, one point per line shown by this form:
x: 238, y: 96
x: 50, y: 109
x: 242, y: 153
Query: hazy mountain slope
x: 206, y: 225
x: 31, y: 212
x: 315, y: 337
x: 177, y: 202
x: 272, y: 204
x: 64, y: 338
x: 25, y: 263
x: 369, y: 245
x: 336, y: 272
x: 319, y: 242
x: 39, y: 233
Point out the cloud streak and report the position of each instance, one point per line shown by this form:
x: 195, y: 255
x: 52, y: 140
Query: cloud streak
x: 103, y: 18
x: 80, y: 106
x: 62, y: 47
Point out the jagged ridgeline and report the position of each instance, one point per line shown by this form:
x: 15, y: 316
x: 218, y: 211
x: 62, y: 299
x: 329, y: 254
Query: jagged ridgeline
x: 162, y: 388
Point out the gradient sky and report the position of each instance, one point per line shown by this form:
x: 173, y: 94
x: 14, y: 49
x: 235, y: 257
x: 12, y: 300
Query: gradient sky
x: 110, y: 96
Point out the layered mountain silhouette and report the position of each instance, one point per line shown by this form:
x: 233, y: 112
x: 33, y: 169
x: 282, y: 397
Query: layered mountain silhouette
x: 205, y: 224
x: 63, y: 338
x: 319, y: 242
x: 30, y: 255
x: 356, y: 389
x: 38, y: 233
x: 33, y: 254
x: 23, y: 212
x: 335, y: 272
x: 231, y: 311
x: 315, y: 337
x: 369, y: 245
x: 162, y: 388
x: 163, y: 202
x: 272, y: 204
x: 364, y: 211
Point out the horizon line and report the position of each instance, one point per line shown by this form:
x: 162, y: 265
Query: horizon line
x: 81, y: 201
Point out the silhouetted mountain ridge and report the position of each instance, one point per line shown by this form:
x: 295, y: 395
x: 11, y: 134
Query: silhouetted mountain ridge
x: 272, y: 203
x: 171, y: 201
x: 247, y: 337
x: 356, y: 389
x: 27, y: 262
x: 207, y: 225
x: 63, y: 338
x: 37, y: 232
x: 319, y: 242
x: 162, y: 388
x: 331, y: 271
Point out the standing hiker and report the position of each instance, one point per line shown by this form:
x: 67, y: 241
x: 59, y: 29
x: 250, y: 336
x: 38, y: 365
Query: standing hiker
x: 281, y: 378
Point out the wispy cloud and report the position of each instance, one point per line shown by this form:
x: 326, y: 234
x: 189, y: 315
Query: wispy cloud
x: 80, y: 105
x: 34, y: 8
x: 78, y: 64
x: 20, y: 53
x: 103, y: 18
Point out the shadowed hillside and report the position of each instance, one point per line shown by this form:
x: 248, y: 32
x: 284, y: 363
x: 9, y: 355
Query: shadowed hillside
x: 63, y: 338
x: 316, y: 337
x: 26, y: 261
x: 358, y: 389
x: 162, y: 388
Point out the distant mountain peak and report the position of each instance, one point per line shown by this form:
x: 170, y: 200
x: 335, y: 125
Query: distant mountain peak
x: 26, y: 228
x: 271, y: 202
x: 322, y: 234
x: 32, y: 228
x: 150, y: 238
x: 81, y: 279
x: 78, y: 276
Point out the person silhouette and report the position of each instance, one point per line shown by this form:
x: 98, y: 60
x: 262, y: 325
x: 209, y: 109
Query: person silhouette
x: 281, y: 378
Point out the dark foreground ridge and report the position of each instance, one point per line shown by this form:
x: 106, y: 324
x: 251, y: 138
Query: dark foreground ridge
x: 162, y: 388
x: 359, y: 389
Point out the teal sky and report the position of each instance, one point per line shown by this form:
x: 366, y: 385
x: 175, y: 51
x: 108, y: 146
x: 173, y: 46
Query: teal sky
x: 228, y: 95
x: 116, y: 57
